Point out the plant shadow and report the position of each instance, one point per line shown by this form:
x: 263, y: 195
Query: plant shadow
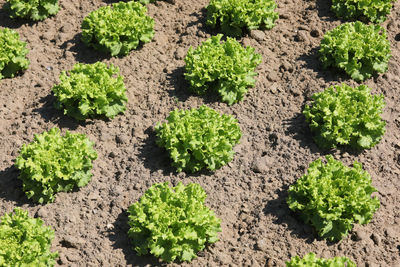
x: 50, y: 114
x: 200, y: 23
x: 325, y: 13
x: 82, y: 52
x: 177, y: 85
x: 279, y: 209
x: 324, y: 10
x: 7, y: 22
x: 118, y: 235
x: 311, y: 61
x: 181, y: 91
x: 11, y: 187
x: 297, y: 128
x: 156, y: 158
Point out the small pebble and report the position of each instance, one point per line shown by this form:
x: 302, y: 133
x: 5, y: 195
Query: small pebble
x: 315, y: 33
x: 121, y: 139
x: 286, y: 66
x: 376, y: 239
x: 272, y: 76
x: 258, y: 35
x: 359, y: 235
x: 179, y: 53
x: 262, y: 245
x: 42, y: 213
x: 261, y: 165
x: 301, y: 36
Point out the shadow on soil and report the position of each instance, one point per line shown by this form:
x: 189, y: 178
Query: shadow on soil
x: 297, y: 128
x: 311, y: 61
x: 11, y: 187
x: 284, y: 216
x: 118, y: 235
x: 179, y: 88
x: 7, y: 22
x: 324, y: 10
x: 156, y: 158
x: 50, y: 114
x: 201, y: 23
x: 82, y: 52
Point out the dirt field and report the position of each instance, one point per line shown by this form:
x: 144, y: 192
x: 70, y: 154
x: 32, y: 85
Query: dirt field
x: 249, y: 194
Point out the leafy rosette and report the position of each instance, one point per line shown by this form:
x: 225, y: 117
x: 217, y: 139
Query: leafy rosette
x: 12, y: 54
x: 172, y: 222
x: 199, y: 138
x: 53, y: 163
x: 90, y: 90
x: 342, y: 115
x: 332, y: 196
x: 234, y: 16
x: 360, y: 50
x: 32, y: 9
x: 25, y: 241
x: 371, y: 10
x: 311, y: 260
x: 118, y: 29
x: 226, y: 67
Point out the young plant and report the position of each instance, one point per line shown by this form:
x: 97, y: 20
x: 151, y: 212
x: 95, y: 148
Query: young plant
x: 12, y: 54
x: 172, y: 222
x: 332, y: 196
x: 25, y: 241
x: 32, y: 9
x: 312, y: 260
x: 118, y: 29
x: 91, y: 90
x: 360, y: 50
x: 53, y: 163
x: 234, y: 16
x: 373, y: 10
x: 226, y: 67
x: 342, y: 115
x: 198, y: 138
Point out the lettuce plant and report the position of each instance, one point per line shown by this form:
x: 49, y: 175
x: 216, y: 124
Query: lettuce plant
x: 118, y: 29
x: 53, y: 163
x: 360, y: 50
x: 311, y: 260
x: 198, y: 138
x: 234, y: 16
x: 372, y: 10
x: 342, y: 115
x: 172, y: 222
x: 32, y: 9
x: 12, y: 54
x: 332, y: 196
x: 25, y: 241
x: 225, y: 67
x: 90, y: 90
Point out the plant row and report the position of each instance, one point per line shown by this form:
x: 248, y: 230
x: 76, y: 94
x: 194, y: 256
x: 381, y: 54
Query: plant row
x: 356, y: 48
x: 232, y: 16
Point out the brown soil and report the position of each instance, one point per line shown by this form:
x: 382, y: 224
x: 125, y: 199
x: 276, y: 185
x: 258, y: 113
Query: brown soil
x: 249, y: 193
